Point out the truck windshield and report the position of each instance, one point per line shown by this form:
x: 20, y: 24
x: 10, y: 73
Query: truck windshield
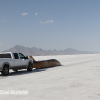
x: 21, y: 56
x: 5, y: 55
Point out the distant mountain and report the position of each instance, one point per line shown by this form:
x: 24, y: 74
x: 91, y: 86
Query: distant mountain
x: 38, y: 51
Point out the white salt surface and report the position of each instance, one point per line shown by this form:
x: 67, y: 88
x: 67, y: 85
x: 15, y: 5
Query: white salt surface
x: 77, y: 79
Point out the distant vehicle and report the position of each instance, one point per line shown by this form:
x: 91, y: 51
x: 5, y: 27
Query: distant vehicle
x: 14, y: 61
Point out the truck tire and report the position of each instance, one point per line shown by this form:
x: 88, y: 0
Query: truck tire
x: 5, y: 70
x: 30, y: 67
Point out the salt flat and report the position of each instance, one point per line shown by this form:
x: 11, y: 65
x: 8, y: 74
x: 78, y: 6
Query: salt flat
x: 77, y: 79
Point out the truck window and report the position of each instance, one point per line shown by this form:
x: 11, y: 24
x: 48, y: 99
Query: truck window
x: 15, y: 55
x: 8, y: 55
x: 21, y: 56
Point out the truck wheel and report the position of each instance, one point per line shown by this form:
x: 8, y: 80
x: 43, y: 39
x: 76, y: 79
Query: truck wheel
x: 5, y: 70
x: 30, y: 67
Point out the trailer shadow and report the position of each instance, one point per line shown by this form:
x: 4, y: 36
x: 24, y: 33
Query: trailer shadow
x: 50, y: 67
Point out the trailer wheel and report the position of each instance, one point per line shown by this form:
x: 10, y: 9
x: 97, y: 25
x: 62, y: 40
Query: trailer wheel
x: 5, y: 70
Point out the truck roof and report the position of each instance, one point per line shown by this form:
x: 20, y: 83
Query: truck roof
x: 8, y: 52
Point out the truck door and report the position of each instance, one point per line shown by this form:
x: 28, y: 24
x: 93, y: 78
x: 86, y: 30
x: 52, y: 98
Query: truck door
x: 23, y: 61
x: 17, y: 62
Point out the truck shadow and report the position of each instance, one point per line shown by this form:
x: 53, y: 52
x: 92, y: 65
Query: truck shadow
x: 21, y: 72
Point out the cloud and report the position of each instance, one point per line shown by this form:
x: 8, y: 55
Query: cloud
x: 24, y: 14
x: 3, y: 20
x: 0, y: 43
x: 36, y: 13
x: 48, y: 21
x: 42, y: 22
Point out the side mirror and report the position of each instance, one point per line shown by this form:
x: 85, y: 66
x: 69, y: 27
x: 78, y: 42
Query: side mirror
x: 26, y: 57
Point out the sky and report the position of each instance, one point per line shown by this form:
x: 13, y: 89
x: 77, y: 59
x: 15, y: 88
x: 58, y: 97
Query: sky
x: 50, y: 24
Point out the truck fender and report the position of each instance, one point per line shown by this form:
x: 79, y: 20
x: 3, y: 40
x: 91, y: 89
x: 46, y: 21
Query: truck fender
x: 5, y: 63
x: 30, y: 62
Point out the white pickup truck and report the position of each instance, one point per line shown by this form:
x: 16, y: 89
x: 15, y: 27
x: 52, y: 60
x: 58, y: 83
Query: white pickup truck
x: 14, y: 61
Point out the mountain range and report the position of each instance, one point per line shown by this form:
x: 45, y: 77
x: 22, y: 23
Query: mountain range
x: 40, y: 52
